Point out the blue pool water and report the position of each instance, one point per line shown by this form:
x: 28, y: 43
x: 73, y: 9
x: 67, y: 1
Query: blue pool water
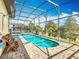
x: 39, y: 41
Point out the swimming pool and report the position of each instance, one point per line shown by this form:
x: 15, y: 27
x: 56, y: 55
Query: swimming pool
x: 39, y: 41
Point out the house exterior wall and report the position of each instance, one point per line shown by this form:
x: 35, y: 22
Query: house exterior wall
x: 5, y: 14
x: 4, y: 18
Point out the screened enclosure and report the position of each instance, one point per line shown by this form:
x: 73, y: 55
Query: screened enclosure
x: 58, y: 19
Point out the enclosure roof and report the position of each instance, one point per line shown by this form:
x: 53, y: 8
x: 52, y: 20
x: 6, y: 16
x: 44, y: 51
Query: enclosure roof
x: 32, y: 9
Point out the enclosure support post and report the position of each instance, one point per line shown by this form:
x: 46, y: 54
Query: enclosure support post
x: 58, y: 31
x: 39, y: 20
x: 45, y: 24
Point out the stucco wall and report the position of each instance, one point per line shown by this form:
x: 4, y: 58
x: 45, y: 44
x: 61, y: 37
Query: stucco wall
x: 4, y: 18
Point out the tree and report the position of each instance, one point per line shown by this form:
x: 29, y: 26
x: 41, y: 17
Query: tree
x: 32, y: 27
x: 51, y: 28
x: 69, y: 29
x: 38, y: 29
x: 26, y: 28
x: 23, y: 27
x: 71, y: 24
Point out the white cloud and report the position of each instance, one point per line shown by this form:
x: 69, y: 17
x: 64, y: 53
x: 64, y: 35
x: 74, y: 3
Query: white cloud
x: 64, y: 15
x: 42, y: 19
x: 51, y: 18
x: 73, y: 13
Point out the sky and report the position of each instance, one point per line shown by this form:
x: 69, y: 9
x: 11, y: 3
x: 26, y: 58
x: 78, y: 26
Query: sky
x: 70, y: 7
x: 73, y: 5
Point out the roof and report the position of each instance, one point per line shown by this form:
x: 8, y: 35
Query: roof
x: 10, y: 5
